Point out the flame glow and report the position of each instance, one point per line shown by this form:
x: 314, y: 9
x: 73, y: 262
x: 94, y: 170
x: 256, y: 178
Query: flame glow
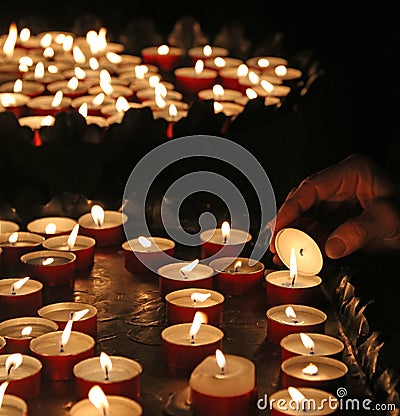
x: 267, y: 86
x: 198, y: 67
x: 237, y: 265
x: 163, y: 50
x: 199, y: 318
x: 39, y: 71
x: 46, y: 40
x: 153, y: 81
x: 13, y: 361
x: 78, y: 55
x: 225, y: 231
x: 242, y: 70
x: 3, y: 387
x: 24, y: 34
x: 18, y: 284
x: 161, y: 89
x: 26, y: 331
x: 8, y: 100
x: 160, y: 102
x: 79, y: 72
x: 66, y: 334
x: 113, y: 57
x: 122, y: 104
x: 290, y: 313
x: 254, y: 78
x: 146, y: 243
x: 219, y: 62
x: 199, y: 297
x: 310, y: 369
x: 13, y: 238
x: 189, y: 267
x: 73, y: 83
x: 263, y: 63
x: 77, y: 315
x: 99, y: 99
x: 105, y: 363
x: 172, y: 110
x: 17, y: 85
x: 50, y: 228
x: 207, y: 50
x: 307, y: 342
x: 99, y: 399
x: 296, y: 395
x: 281, y: 70
x: 83, y: 110
x: 57, y: 99
x: 98, y: 215
x: 47, y: 261
x: 221, y: 361
x: 251, y: 94
x: 9, y: 44
x: 218, y: 91
x: 72, y: 237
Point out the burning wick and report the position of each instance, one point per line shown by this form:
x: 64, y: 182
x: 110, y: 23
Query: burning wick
x: 188, y: 268
x: 13, y: 362
x: 236, y: 266
x: 221, y: 361
x: 65, y: 335
x: 106, y: 365
x: 293, y: 267
x: 13, y: 238
x: 72, y: 237
x: 307, y: 342
x: 290, y: 313
x: 199, y: 318
x: 201, y: 297
x: 225, y: 231
x: 144, y: 242
x: 310, y: 370
x: 17, y: 285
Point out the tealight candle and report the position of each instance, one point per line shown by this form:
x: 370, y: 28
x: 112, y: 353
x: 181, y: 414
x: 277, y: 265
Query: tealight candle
x: 115, y: 375
x: 15, y: 244
x: 261, y: 63
x: 51, y: 267
x: 94, y: 103
x: 45, y: 105
x: 151, y: 93
x: 218, y: 93
x: 163, y: 107
x: 285, y: 73
x: 105, y: 226
x: 98, y: 403
x: 117, y: 109
x: 194, y: 79
x: 84, y: 316
x: 218, y: 63
x: 325, y: 373
x: 164, y: 56
x: 28, y: 88
x: 22, y: 373
x: 69, y: 88
x: 237, y: 275
x: 223, y: 242
x: 13, y: 406
x: 311, y: 344
x: 44, y: 78
x: 82, y: 246
x: 36, y: 122
x: 283, y: 320
x: 51, y: 226
x: 231, y: 77
x: 7, y: 226
x: 293, y: 401
x: 14, y: 102
x: 268, y: 89
x: 115, y: 91
x: 182, y: 305
x: 20, y: 297
x: 300, y: 284
x: 19, y: 332
x: 181, y: 275
x: 206, y: 52
x: 186, y: 345
x: 59, y: 351
x: 223, y: 385
x: 171, y: 115
x: 147, y: 253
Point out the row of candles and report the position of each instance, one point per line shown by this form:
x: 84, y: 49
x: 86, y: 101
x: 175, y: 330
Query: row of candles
x: 61, y: 336
x: 56, y: 71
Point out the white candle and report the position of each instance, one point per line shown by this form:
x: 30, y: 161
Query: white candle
x: 263, y: 62
x: 236, y: 236
x: 193, y: 298
x: 207, y: 51
x: 29, y: 367
x: 179, y: 335
x: 224, y: 94
x: 36, y: 122
x: 304, y: 315
x: 111, y: 219
x: 13, y: 406
x: 174, y: 271
x: 118, y: 406
x: 63, y: 311
x: 7, y: 287
x: 156, y: 244
x: 12, y: 328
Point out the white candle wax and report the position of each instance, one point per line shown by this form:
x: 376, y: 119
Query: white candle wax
x: 36, y: 122
x: 183, y: 297
x: 24, y: 239
x: 61, y: 311
x: 305, y: 315
x: 157, y: 244
x: 179, y: 335
x: 173, y: 271
x: 13, y: 406
x: 118, y: 406
x: 323, y: 344
x: 282, y: 278
x: 29, y: 367
x: 31, y: 286
x: 49, y: 344
x: 61, y: 243
x: 215, y: 236
x: 238, y: 378
x: 12, y: 328
x: 228, y: 95
x: 264, y: 62
x: 111, y: 219
x: 43, y: 102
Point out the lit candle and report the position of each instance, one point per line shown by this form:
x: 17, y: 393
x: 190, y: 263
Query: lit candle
x: 117, y: 110
x: 293, y: 401
x: 284, y: 72
x: 151, y: 93
x: 283, y: 320
x: 28, y: 88
x: 45, y: 105
x: 261, y: 63
x: 14, y: 102
x: 18, y: 332
x: 223, y: 242
x: 236, y: 276
x: 51, y: 226
x: 98, y: 404
x: 105, y: 226
x: 206, y: 52
x: 84, y: 316
x: 182, y: 275
x: 10, y: 404
x: 194, y: 79
x: 22, y: 373
x: 59, y: 351
x: 324, y: 373
x: 311, y: 344
x: 71, y: 88
x: 115, y: 375
x: 223, y: 385
x: 186, y: 345
x: 218, y: 63
x: 82, y: 246
x: 182, y: 304
x: 232, y: 76
x: 164, y: 56
x: 111, y: 90
x: 219, y: 93
x: 20, y: 297
x: 36, y: 122
x: 147, y: 253
x: 94, y: 103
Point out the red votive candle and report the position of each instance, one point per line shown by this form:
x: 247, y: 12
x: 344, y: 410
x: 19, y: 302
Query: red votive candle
x: 84, y: 316
x: 227, y: 388
x: 20, y: 297
x: 48, y: 105
x: 51, y: 267
x: 164, y: 56
x: 283, y: 320
x: 59, y: 360
x: 237, y: 275
x: 23, y: 374
x: 14, y: 405
x: 181, y: 351
x: 115, y: 375
x: 194, y: 79
x: 19, y: 332
x: 51, y: 226
x: 182, y: 305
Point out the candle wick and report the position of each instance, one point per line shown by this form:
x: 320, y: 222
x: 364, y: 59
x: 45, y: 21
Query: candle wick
x: 293, y: 279
x: 295, y: 321
x: 236, y: 269
x: 106, y: 375
x: 104, y: 411
x: 9, y: 370
x: 183, y: 274
x: 192, y: 340
x: 71, y: 316
x: 311, y: 351
x: 222, y: 371
x: 194, y: 303
x: 225, y: 239
x: 13, y: 292
x: 61, y: 348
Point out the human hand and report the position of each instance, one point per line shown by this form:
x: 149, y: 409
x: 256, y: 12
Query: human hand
x: 357, y: 188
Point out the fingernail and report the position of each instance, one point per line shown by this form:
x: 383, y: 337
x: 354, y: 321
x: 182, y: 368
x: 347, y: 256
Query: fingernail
x: 335, y: 248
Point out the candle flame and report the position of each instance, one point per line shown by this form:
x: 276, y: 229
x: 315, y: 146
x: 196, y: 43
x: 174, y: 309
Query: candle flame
x: 72, y: 237
x: 219, y: 62
x: 267, y: 86
x: 113, y: 57
x: 99, y: 399
x: 3, y: 387
x: 218, y: 107
x: 263, y: 63
x: 25, y: 60
x: 83, y: 110
x: 39, y: 71
x: 254, y: 78
x: 172, y: 110
x: 60, y: 38
x: 73, y: 83
x: 106, y: 87
x: 99, y: 99
x: 198, y: 67
x: 47, y: 121
x: 17, y: 85
x: 163, y: 50
x: 251, y: 94
x: 66, y: 334
x: 281, y: 70
x: 153, y: 81
x: 160, y: 102
x: 221, y: 361
x: 77, y: 315
x: 144, y: 242
x: 293, y: 266
x: 48, y: 52
x: 46, y: 40
x: 52, y: 69
x: 57, y: 99
x: 296, y: 395
x: 67, y: 43
x: 78, y: 55
x: 242, y: 70
x: 50, y: 228
x: 9, y: 44
x: 13, y: 238
x: 93, y: 63
x: 189, y: 267
x: 199, y: 297
x: 122, y: 104
x: 105, y: 76
x: 140, y: 71
x: 290, y: 313
x: 79, y: 73
x: 106, y: 363
x: 199, y: 318
x: 161, y: 89
x: 310, y: 369
x: 237, y: 265
x: 307, y: 342
x: 24, y: 34
x: 8, y: 100
x: 13, y: 362
x: 18, y: 284
x: 97, y: 215
x: 218, y: 90
x: 225, y: 231
x: 26, y: 331
x: 207, y: 50
x: 47, y: 261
